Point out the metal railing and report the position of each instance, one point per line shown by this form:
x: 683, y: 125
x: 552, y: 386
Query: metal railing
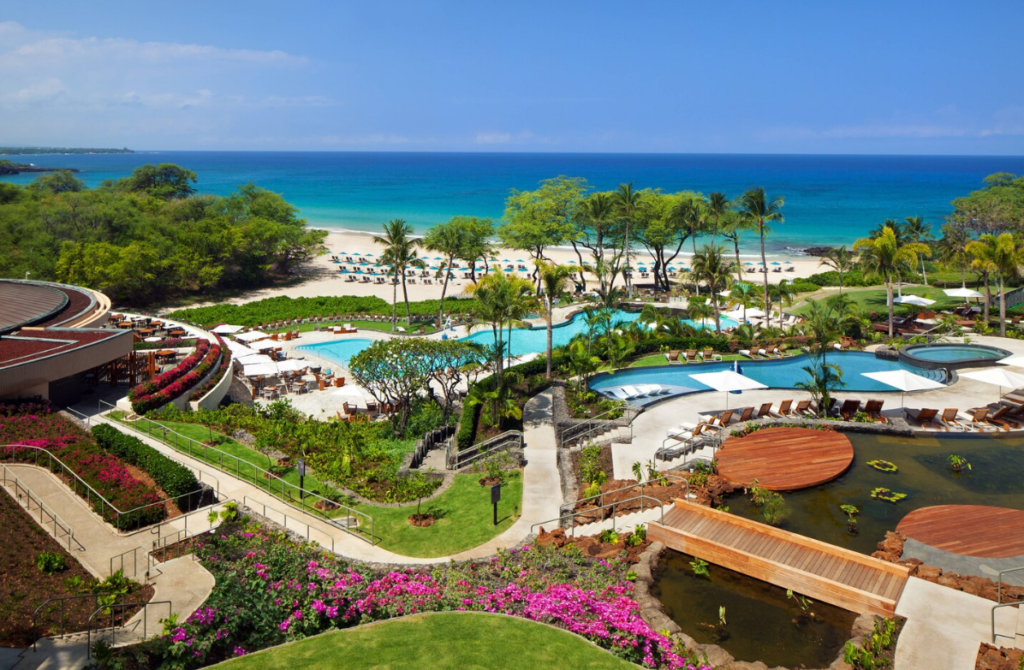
x: 113, y: 629
x: 999, y: 582
x: 164, y: 543
x: 248, y: 502
x: 660, y: 506
x: 456, y: 459
x: 248, y: 471
x: 78, y: 415
x: 642, y: 486
x: 63, y: 612
x: 999, y: 600
x: 120, y: 558
x: 20, y: 489
x: 596, y: 425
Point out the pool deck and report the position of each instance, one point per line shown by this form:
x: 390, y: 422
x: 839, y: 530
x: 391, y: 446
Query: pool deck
x: 785, y: 459
x: 967, y: 530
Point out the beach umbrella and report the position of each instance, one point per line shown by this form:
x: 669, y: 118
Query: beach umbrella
x: 904, y: 381
x: 254, y: 359
x: 259, y: 370
x: 996, y: 377
x: 776, y: 263
x: 225, y: 329
x: 1017, y: 361
x: 962, y: 292
x: 238, y: 349
x: 726, y: 293
x: 262, y: 345
x: 727, y: 381
x: 913, y: 300
x: 509, y: 270
x: 789, y: 262
x: 367, y: 254
x: 356, y: 254
x: 350, y: 394
x: 251, y: 336
x: 748, y: 263
x: 292, y: 365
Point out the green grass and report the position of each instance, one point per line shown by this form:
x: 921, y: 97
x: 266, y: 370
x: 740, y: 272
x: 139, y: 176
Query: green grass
x: 464, y: 518
x: 449, y: 641
x: 364, y: 325
x: 659, y: 359
x: 873, y: 299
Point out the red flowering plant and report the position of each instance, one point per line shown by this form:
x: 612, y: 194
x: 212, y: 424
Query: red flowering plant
x: 207, y: 386
x: 35, y: 424
x: 164, y: 388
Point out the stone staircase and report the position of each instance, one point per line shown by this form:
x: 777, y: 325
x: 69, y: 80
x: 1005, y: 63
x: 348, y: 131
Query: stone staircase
x: 71, y: 652
x: 621, y: 524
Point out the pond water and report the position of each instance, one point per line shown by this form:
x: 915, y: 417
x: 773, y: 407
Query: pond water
x: 762, y: 624
x: 996, y: 478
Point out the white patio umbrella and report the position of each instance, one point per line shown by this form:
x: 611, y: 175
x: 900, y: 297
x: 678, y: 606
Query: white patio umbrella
x: 1016, y: 361
x: 263, y: 345
x: 292, y: 365
x: 913, y: 300
x: 153, y: 339
x: 962, y: 292
x: 251, y: 336
x: 996, y: 377
x: 350, y: 394
x: 727, y: 381
x: 904, y: 381
x: 255, y: 359
x: 259, y: 370
x: 226, y: 329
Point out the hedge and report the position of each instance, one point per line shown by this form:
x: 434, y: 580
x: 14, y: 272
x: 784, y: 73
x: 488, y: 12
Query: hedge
x: 704, y: 340
x: 467, y: 427
x: 174, y: 478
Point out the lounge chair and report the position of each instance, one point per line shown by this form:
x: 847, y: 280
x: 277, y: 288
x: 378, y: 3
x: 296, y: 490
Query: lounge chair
x: 710, y: 355
x: 691, y: 356
x: 978, y: 418
x: 746, y: 415
x: 673, y: 356
x: 651, y: 390
x: 784, y: 408
x: 950, y: 419
x: 765, y: 411
x: 873, y: 408
x: 849, y: 408
x: 724, y: 418
x: 802, y: 407
x: 633, y: 392
x: 1002, y: 418
x: 926, y: 418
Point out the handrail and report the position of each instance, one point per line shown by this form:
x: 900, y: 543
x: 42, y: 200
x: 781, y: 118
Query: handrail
x: 462, y: 458
x: 593, y: 428
x: 642, y: 484
x: 271, y: 478
x: 246, y: 500
x: 113, y: 629
x: 83, y: 417
x: 43, y: 507
x: 61, y: 600
x: 660, y: 507
x: 999, y: 583
x: 135, y: 562
x: 994, y: 608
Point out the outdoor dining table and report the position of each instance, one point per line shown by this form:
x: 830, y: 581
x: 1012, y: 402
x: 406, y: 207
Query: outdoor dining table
x: 125, y: 324
x: 177, y: 333
x: 146, y: 332
x: 166, y: 353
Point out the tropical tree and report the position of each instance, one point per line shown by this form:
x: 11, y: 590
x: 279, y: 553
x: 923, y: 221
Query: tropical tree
x: 711, y: 266
x: 781, y: 293
x: 917, y: 230
x: 1002, y: 258
x: 627, y: 200
x: 718, y: 206
x: 884, y: 255
x: 595, y: 223
x: 659, y: 231
x: 447, y: 239
x: 953, y: 249
x: 743, y: 294
x: 823, y: 321
x: 732, y: 224
x: 840, y: 259
x: 400, y: 253
x: 552, y: 280
x: 761, y: 211
x: 476, y: 243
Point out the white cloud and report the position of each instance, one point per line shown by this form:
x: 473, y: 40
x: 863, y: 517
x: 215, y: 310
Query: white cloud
x: 493, y: 138
x: 42, y: 91
x: 58, y: 50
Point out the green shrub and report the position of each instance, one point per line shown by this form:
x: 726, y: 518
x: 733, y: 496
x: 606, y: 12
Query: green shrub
x: 50, y: 562
x: 174, y: 478
x: 804, y: 286
x: 590, y: 465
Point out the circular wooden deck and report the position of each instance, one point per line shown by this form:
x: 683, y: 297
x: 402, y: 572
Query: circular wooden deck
x: 968, y: 530
x: 785, y: 459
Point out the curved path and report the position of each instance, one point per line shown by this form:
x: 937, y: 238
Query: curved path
x: 785, y: 459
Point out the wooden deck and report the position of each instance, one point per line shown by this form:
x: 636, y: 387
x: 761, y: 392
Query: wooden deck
x: 816, y: 569
x: 785, y: 459
x: 968, y: 530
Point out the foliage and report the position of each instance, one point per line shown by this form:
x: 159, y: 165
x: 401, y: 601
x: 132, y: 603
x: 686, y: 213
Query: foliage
x: 637, y: 537
x: 590, y: 465
x: 173, y: 477
x: 872, y: 654
x: 958, y: 462
x: 608, y: 536
x: 884, y: 466
x: 50, y: 562
x: 165, y: 387
x: 774, y: 509
x: 888, y: 495
x: 700, y: 567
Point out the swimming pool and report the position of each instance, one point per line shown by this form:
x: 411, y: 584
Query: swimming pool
x: 340, y: 352
x: 535, y: 340
x: 952, y: 355
x: 782, y: 374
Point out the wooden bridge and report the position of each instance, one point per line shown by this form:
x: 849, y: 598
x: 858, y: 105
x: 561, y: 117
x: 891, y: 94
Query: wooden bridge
x: 815, y: 569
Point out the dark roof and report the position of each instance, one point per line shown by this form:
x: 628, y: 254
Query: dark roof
x: 79, y: 302
x: 30, y: 344
x: 26, y: 303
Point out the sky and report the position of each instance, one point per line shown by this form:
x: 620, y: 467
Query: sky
x: 721, y: 76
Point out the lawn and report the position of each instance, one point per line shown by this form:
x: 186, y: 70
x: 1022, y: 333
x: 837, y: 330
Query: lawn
x: 659, y: 359
x: 873, y: 299
x: 364, y: 325
x: 449, y: 641
x: 464, y: 518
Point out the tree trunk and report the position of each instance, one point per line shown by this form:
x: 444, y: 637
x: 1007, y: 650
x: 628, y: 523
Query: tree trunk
x: 963, y: 276
x: 693, y: 239
x: 718, y: 322
x: 764, y: 267
x: 888, y: 295
x: 988, y: 296
x: 444, y: 289
x: 550, y: 336
x: 579, y: 257
x: 924, y: 273
x: 736, y: 248
x: 629, y: 270
x: 1002, y: 308
x: 394, y: 301
x: 405, y: 294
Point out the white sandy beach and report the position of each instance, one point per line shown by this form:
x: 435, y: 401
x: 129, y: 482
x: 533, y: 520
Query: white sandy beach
x: 324, y: 277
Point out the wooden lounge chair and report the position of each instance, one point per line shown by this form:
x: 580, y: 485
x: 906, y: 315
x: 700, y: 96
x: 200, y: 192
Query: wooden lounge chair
x: 949, y: 418
x: 710, y: 355
x: 724, y: 418
x: 765, y: 411
x: 873, y: 408
x: 926, y: 418
x: 849, y: 408
x: 979, y: 418
x: 673, y: 356
x: 802, y: 407
x: 1000, y: 418
x: 691, y: 356
x: 785, y: 408
x: 747, y: 415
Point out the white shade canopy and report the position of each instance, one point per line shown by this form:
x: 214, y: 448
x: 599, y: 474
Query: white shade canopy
x: 226, y: 329
x: 727, y: 380
x: 153, y: 339
x: 237, y: 348
x: 963, y: 292
x: 913, y: 300
x: 903, y: 380
x: 259, y: 370
x: 255, y: 359
x: 292, y: 365
x: 251, y: 336
x: 1017, y: 361
x: 350, y: 394
x: 263, y: 345
x: 996, y: 377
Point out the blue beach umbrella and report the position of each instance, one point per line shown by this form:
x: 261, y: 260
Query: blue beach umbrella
x: 789, y: 262
x: 367, y: 254
x: 508, y: 269
x: 776, y: 263
x: 748, y: 263
x: 357, y: 254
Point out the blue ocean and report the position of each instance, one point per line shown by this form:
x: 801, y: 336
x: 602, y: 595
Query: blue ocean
x: 829, y: 199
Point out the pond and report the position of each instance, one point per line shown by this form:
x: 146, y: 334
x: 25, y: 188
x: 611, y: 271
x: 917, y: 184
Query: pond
x: 995, y: 478
x: 762, y: 623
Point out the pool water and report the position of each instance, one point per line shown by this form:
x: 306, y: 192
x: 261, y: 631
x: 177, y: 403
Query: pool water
x: 952, y: 353
x: 535, y: 340
x: 997, y: 470
x: 762, y: 624
x: 782, y: 374
x: 340, y: 352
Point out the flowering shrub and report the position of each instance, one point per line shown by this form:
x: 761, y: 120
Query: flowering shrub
x: 269, y: 591
x: 164, y: 388
x: 37, y: 425
x: 207, y: 386
x: 168, y: 343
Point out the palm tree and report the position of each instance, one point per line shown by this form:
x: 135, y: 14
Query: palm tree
x: 840, y: 259
x: 953, y: 249
x: 895, y: 226
x: 781, y: 293
x: 733, y: 224
x: 400, y: 253
x: 446, y: 239
x: 627, y: 201
x: 743, y: 293
x: 1002, y: 258
x: 886, y: 256
x: 761, y: 211
x: 552, y: 281
x: 717, y: 207
x: 711, y: 266
x: 916, y: 230
x: 597, y: 213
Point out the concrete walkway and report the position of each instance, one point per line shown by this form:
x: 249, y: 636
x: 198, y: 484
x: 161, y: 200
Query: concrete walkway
x: 945, y: 627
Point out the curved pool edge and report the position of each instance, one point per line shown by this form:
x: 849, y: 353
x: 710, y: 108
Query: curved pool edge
x: 906, y: 356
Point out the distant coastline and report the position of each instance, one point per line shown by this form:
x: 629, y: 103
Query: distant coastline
x: 10, y: 168
x: 60, y: 151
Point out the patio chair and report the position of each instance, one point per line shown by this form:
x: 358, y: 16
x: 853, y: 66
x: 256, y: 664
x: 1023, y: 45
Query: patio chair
x: 673, y: 356
x: 849, y: 408
x: 873, y: 408
x: 802, y: 407
x: 725, y: 417
x: 710, y: 355
x: 978, y: 419
x: 949, y: 418
x: 784, y: 408
x: 691, y: 355
x: 1001, y: 419
x: 765, y: 411
x: 747, y: 414
x: 926, y: 418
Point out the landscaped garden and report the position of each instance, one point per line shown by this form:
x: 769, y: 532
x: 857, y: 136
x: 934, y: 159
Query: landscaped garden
x: 181, y: 379
x: 270, y: 590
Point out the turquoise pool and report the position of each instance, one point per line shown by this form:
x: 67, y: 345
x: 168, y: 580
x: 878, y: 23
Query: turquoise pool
x: 781, y: 374
x: 340, y: 352
x: 534, y: 340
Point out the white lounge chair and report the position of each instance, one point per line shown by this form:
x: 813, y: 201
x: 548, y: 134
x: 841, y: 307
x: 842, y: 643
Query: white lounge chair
x: 633, y: 392
x: 619, y: 394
